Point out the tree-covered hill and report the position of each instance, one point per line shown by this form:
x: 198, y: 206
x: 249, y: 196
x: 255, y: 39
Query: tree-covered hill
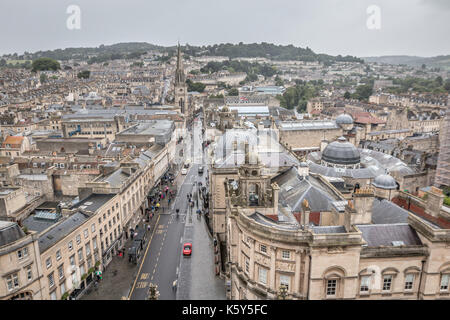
x: 251, y: 50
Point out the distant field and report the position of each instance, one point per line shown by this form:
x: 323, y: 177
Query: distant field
x: 14, y: 62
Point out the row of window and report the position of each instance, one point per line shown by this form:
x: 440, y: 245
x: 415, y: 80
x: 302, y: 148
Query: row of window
x: 284, y: 279
x: 365, y: 284
x: 88, y: 125
x: 12, y: 281
x: 94, y: 132
x: 61, y: 165
x: 61, y: 275
x: 285, y: 254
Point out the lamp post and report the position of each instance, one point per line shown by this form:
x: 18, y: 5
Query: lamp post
x: 282, y: 293
x: 153, y: 293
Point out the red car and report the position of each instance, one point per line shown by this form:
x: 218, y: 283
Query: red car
x: 187, y: 249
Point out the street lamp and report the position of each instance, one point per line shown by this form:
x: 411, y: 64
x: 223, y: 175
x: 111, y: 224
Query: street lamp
x: 153, y: 293
x: 283, y: 292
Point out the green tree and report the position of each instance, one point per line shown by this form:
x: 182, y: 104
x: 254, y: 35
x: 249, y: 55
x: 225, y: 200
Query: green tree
x: 447, y: 85
x: 195, y: 86
x: 347, y: 95
x: 363, y: 92
x: 43, y: 78
x: 2, y: 63
x: 233, y: 92
x: 278, y: 81
x: 85, y: 74
x: 45, y: 64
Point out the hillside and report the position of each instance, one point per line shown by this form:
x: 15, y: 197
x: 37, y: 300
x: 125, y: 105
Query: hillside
x: 264, y: 50
x: 442, y: 62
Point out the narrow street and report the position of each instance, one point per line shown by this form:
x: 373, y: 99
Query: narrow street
x: 163, y: 262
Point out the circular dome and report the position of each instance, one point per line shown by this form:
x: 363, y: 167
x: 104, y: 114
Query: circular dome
x: 384, y: 181
x: 341, y: 152
x: 344, y: 119
x: 303, y: 164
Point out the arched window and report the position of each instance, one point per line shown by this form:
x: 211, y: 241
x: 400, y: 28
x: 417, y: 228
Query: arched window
x: 388, y: 276
x: 333, y: 281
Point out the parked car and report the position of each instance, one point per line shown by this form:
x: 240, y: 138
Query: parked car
x: 184, y: 171
x: 187, y: 249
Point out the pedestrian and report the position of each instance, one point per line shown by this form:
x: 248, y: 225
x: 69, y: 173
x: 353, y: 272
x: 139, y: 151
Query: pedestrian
x: 174, y: 285
x: 148, y: 227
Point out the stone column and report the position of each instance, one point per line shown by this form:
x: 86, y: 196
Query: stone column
x: 272, y: 268
x: 252, y: 259
x: 296, y: 288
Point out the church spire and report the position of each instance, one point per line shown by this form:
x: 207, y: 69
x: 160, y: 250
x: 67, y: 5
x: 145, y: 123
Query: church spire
x: 178, y: 57
x: 179, y: 73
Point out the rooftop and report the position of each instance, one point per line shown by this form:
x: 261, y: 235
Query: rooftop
x: 60, y: 230
x: 93, y: 202
x: 390, y: 235
x: 10, y: 232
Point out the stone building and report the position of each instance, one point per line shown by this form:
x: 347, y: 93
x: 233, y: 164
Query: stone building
x: 20, y: 268
x: 369, y: 249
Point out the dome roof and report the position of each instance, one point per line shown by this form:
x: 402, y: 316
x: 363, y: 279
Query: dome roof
x: 344, y: 119
x: 341, y: 152
x: 384, y: 181
x: 303, y: 164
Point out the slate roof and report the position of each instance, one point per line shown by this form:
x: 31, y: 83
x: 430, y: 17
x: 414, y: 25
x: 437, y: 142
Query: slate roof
x: 61, y: 230
x: 10, y: 232
x: 294, y: 189
x: 36, y: 224
x: 93, y: 202
x: 384, y: 234
x: 384, y: 212
x: 260, y: 218
x: 117, y: 178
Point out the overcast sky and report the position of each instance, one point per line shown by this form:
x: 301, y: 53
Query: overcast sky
x: 410, y: 27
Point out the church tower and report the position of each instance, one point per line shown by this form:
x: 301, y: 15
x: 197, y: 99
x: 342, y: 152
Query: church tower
x: 180, y: 85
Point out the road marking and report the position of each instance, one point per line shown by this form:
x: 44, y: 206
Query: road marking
x: 142, y: 262
x: 141, y: 284
x: 144, y: 276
